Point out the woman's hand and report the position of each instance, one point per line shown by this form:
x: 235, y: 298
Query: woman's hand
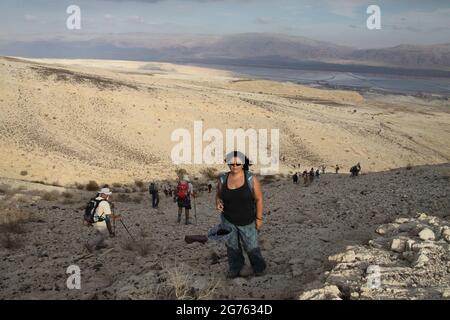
x: 219, y: 205
x: 259, y: 224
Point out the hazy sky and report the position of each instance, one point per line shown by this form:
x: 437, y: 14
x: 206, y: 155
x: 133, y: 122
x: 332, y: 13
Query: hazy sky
x: 342, y: 22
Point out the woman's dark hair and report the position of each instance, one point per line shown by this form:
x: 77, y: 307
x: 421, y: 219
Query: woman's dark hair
x: 240, y: 156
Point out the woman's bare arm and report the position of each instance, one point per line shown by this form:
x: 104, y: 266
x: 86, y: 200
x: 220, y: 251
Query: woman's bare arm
x: 258, y: 199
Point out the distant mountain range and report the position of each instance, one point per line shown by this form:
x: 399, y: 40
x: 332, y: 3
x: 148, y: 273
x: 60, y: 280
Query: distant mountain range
x: 258, y: 48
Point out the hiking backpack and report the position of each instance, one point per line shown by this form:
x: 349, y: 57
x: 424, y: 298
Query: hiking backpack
x: 152, y: 188
x: 248, y: 177
x: 182, y: 190
x: 91, y: 208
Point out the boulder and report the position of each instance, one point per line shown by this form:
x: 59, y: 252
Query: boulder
x: 427, y: 234
x: 346, y: 257
x: 446, y: 234
x: 398, y: 245
x: 420, y: 260
x: 329, y: 292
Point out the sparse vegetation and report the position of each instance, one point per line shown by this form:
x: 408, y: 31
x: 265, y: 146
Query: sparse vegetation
x: 117, y: 185
x: 123, y: 198
x: 210, y: 173
x: 50, y: 196
x: 142, y: 247
x: 139, y: 184
x: 137, y: 199
x: 179, y: 285
x: 23, y: 173
x: 67, y: 195
x: 8, y: 241
x: 408, y: 166
x: 92, y: 186
x: 79, y: 186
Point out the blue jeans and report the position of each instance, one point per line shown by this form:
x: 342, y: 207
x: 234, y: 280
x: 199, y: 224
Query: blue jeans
x: 248, y: 236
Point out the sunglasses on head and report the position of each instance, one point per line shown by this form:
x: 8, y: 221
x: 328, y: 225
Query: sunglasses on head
x: 235, y: 164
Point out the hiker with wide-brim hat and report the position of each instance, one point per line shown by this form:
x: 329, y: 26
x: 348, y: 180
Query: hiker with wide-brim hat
x: 101, y: 220
x: 183, y: 195
x: 239, y: 199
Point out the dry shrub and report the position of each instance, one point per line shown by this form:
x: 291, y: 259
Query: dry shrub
x: 179, y: 285
x: 92, y: 186
x: 123, y: 198
x: 23, y: 173
x: 117, y: 185
x: 137, y: 199
x: 210, y: 173
x: 142, y: 247
x: 79, y: 186
x: 139, y: 184
x: 13, y: 219
x: 4, y: 188
x: 67, y: 195
x: 8, y: 241
x: 50, y: 196
x: 408, y: 166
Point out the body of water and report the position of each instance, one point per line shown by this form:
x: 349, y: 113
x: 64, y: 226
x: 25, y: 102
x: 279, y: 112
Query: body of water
x: 347, y: 80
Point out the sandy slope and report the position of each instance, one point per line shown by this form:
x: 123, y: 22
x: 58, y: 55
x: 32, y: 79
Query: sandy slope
x: 72, y: 121
x: 303, y: 226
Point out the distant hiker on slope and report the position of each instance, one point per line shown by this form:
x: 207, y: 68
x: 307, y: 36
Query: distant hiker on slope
x: 239, y: 199
x: 183, y: 195
x: 153, y: 190
x: 97, y: 214
x: 305, y: 177
x: 295, y: 178
x: 323, y: 169
x: 317, y: 174
x: 355, y: 170
x: 209, y: 187
x: 337, y: 169
x: 311, y: 175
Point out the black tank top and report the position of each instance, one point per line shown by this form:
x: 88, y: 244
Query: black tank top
x: 239, y: 204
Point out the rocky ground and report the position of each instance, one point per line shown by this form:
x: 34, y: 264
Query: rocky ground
x: 409, y: 260
x: 336, y: 217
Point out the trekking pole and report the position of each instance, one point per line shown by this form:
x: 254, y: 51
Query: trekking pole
x: 114, y: 218
x: 195, y: 211
x: 126, y: 229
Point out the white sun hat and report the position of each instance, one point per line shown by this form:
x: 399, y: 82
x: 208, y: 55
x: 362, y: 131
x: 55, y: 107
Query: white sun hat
x: 105, y: 191
x: 186, y: 177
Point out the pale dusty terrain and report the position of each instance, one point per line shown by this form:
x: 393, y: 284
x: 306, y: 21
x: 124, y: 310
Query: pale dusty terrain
x: 67, y: 121
x: 303, y: 227
x: 71, y: 121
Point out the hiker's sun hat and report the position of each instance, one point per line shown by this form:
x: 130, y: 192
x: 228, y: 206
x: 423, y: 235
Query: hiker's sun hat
x: 105, y: 191
x: 220, y: 232
x: 186, y: 177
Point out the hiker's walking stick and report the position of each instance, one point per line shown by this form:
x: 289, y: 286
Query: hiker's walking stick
x: 126, y: 229
x: 195, y: 211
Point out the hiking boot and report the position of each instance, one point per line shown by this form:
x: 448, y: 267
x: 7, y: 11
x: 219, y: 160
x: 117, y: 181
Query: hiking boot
x: 188, y: 222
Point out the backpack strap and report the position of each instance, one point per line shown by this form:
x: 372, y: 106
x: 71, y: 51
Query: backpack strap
x: 248, y: 175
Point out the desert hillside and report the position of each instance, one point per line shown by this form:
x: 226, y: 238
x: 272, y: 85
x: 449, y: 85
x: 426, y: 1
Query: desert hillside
x: 69, y: 121
x: 41, y: 234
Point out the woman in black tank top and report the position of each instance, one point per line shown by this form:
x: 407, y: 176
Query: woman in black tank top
x: 239, y: 198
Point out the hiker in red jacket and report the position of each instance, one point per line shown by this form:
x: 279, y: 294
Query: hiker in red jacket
x: 183, y: 195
